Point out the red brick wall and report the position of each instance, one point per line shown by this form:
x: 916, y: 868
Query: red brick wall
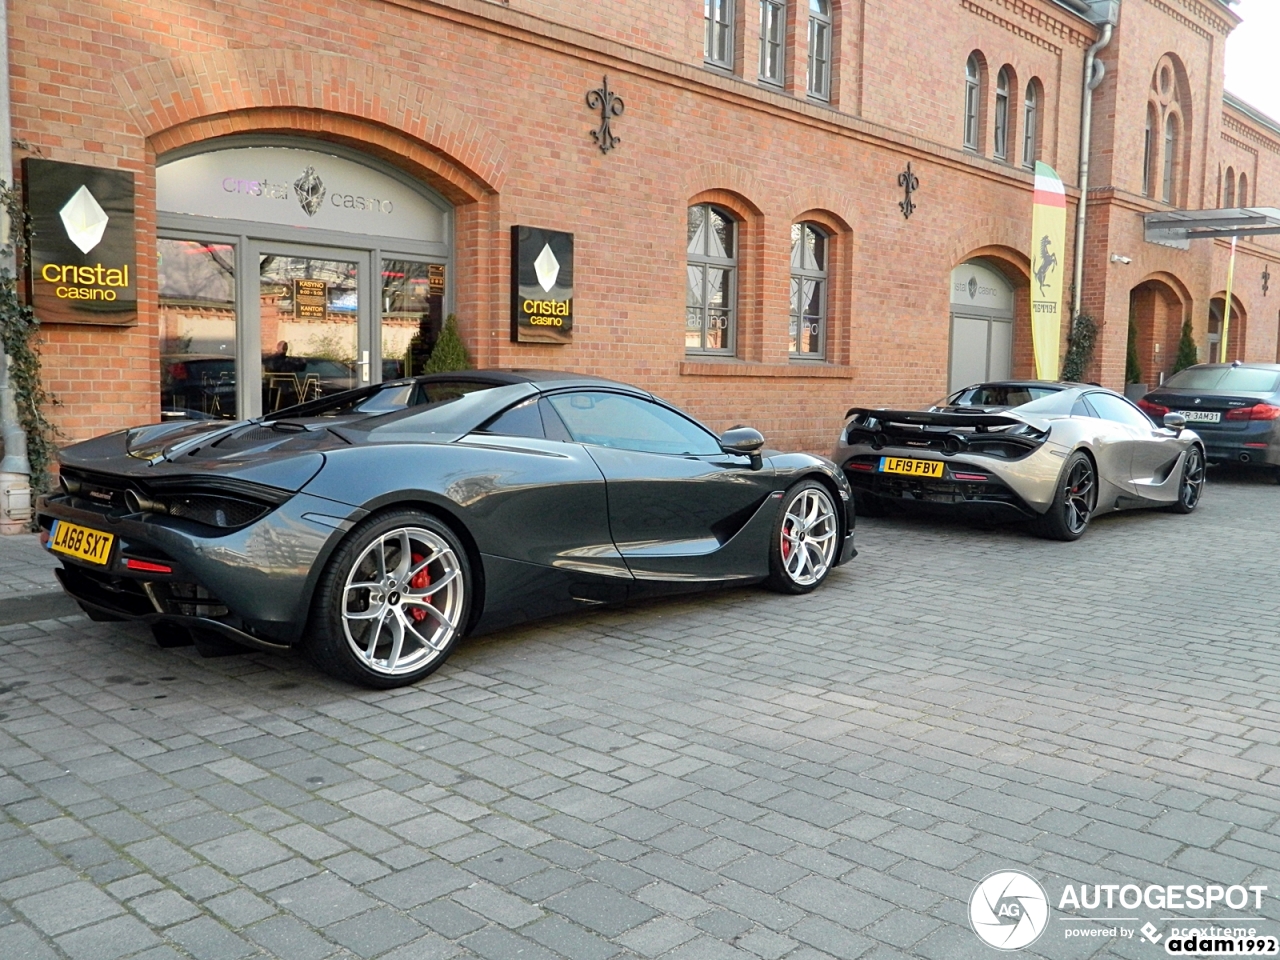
x: 485, y: 102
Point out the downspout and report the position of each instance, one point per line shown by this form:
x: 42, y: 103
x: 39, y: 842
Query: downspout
x: 15, y: 469
x: 1094, y: 71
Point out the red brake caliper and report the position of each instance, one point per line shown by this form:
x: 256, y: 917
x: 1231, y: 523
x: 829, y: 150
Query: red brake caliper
x: 420, y: 581
x: 786, y: 544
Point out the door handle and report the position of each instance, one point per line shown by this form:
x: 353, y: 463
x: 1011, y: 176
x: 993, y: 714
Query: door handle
x: 364, y: 367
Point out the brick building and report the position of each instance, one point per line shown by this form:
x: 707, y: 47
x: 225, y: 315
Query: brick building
x: 316, y: 183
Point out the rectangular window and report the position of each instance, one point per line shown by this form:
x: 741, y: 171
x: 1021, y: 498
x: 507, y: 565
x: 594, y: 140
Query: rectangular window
x: 773, y: 18
x: 711, y: 297
x: 1170, y: 148
x: 1002, y: 125
x: 1146, y: 160
x: 1030, y: 133
x: 971, y: 114
x: 718, y: 47
x: 412, y: 315
x: 819, y: 58
x: 197, y: 330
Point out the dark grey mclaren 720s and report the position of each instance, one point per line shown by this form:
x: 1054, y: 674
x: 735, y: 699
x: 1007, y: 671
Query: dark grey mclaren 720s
x: 378, y: 526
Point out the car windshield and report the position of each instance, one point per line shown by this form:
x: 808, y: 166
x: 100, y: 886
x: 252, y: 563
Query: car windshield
x: 998, y: 395
x: 384, y: 398
x: 1234, y: 379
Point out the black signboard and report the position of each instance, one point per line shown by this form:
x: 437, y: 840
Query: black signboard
x: 541, y: 285
x: 83, y: 248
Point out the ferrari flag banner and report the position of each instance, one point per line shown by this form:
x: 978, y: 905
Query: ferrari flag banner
x: 1048, y: 239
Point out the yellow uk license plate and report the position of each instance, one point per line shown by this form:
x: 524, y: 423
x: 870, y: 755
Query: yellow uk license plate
x: 81, y: 542
x: 912, y: 468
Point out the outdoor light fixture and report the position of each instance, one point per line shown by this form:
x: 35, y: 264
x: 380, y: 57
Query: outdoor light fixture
x: 1116, y: 258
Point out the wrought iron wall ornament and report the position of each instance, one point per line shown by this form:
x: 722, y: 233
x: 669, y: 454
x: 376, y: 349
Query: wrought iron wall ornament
x: 909, y: 183
x: 1266, y: 280
x: 610, y: 105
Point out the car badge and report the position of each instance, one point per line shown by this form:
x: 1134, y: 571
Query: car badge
x: 1197, y: 399
x: 84, y: 220
x: 310, y: 191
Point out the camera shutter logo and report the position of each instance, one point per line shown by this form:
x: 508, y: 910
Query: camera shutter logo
x: 1008, y: 910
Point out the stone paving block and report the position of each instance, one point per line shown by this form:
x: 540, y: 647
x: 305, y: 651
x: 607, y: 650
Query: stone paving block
x: 418, y: 885
x: 243, y: 852
x: 239, y: 908
x: 375, y: 932
x: 284, y: 936
x: 497, y: 906
x: 108, y: 940
x: 164, y: 908
x: 599, y: 907
x: 322, y: 899
x: 494, y: 943
x: 65, y: 908
x: 206, y: 939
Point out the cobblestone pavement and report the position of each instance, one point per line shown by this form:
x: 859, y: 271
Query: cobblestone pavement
x: 735, y: 776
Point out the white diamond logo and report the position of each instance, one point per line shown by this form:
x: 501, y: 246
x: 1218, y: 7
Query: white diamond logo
x: 84, y: 219
x: 547, y: 267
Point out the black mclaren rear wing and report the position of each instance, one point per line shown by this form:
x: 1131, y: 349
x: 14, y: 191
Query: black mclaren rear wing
x: 980, y: 422
x: 995, y: 434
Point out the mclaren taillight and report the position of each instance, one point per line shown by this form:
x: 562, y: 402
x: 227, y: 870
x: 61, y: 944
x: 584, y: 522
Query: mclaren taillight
x: 861, y: 467
x: 147, y: 566
x: 1259, y: 411
x: 1154, y: 409
x: 972, y: 477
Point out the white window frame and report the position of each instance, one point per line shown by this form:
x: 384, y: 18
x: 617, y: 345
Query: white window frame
x: 819, y: 78
x: 1169, y: 189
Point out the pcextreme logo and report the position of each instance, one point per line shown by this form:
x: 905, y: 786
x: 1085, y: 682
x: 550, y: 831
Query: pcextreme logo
x: 1008, y: 910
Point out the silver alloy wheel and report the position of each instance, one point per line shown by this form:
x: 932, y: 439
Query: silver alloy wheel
x: 402, y: 601
x: 809, y: 529
x: 1192, y: 479
x: 1081, y: 496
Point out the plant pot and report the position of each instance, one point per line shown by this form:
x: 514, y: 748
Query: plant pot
x: 1136, y: 391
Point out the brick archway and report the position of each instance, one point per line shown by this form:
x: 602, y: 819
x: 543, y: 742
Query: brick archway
x: 192, y: 98
x: 1157, y: 307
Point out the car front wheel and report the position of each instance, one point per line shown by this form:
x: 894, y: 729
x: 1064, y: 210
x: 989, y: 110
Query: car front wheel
x: 805, y: 538
x: 1192, y: 486
x: 393, y: 601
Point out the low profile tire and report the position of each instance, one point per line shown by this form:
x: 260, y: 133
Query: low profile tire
x: 393, y: 601
x: 1192, y: 485
x: 1073, y: 503
x: 805, y: 539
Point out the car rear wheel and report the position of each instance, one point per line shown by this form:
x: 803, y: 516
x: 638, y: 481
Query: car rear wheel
x: 1073, y: 504
x: 1192, y: 485
x: 393, y: 601
x: 805, y: 537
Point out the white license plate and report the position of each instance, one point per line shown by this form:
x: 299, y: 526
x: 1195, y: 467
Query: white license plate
x: 1201, y: 416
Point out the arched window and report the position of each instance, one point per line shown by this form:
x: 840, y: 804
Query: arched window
x: 1168, y: 192
x: 711, y: 300
x: 972, y: 100
x: 820, y: 49
x: 1242, y: 198
x: 1149, y: 152
x: 1229, y: 188
x: 1031, y: 126
x: 1002, y: 114
x: 773, y: 31
x: 718, y: 44
x: 810, y: 248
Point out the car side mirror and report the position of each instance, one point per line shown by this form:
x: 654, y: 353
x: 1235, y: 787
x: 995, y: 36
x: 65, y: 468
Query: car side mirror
x: 1175, y: 421
x: 746, y: 442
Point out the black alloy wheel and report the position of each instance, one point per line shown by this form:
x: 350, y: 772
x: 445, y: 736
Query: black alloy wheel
x: 393, y: 601
x: 1073, y: 503
x: 1192, y: 486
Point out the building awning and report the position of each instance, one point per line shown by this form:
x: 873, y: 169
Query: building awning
x: 1176, y: 228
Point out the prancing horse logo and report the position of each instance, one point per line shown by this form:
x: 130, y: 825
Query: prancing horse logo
x: 1048, y: 261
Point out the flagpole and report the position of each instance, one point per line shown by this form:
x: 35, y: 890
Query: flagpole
x: 1226, y: 313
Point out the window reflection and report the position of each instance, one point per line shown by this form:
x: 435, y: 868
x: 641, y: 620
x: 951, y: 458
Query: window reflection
x: 197, y: 330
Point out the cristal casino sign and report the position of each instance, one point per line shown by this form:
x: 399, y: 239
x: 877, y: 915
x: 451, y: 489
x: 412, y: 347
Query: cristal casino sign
x: 83, y: 246
x: 541, y: 285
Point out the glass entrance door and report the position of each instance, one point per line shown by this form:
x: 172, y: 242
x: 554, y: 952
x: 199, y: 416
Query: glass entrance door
x: 314, y: 325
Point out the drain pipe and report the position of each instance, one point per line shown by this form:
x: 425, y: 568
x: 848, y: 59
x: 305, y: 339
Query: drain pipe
x: 15, y: 469
x: 1094, y: 71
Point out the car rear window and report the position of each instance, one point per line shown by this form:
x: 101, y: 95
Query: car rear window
x: 384, y: 398
x: 1000, y: 395
x: 1233, y: 379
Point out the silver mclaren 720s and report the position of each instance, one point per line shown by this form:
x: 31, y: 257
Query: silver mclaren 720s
x: 1069, y: 453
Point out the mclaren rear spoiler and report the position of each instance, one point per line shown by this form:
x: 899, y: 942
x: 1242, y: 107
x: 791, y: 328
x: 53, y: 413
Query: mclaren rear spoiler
x: 980, y: 422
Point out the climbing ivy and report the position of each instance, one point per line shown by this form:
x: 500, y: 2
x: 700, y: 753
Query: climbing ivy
x: 1084, y: 333
x: 18, y: 329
